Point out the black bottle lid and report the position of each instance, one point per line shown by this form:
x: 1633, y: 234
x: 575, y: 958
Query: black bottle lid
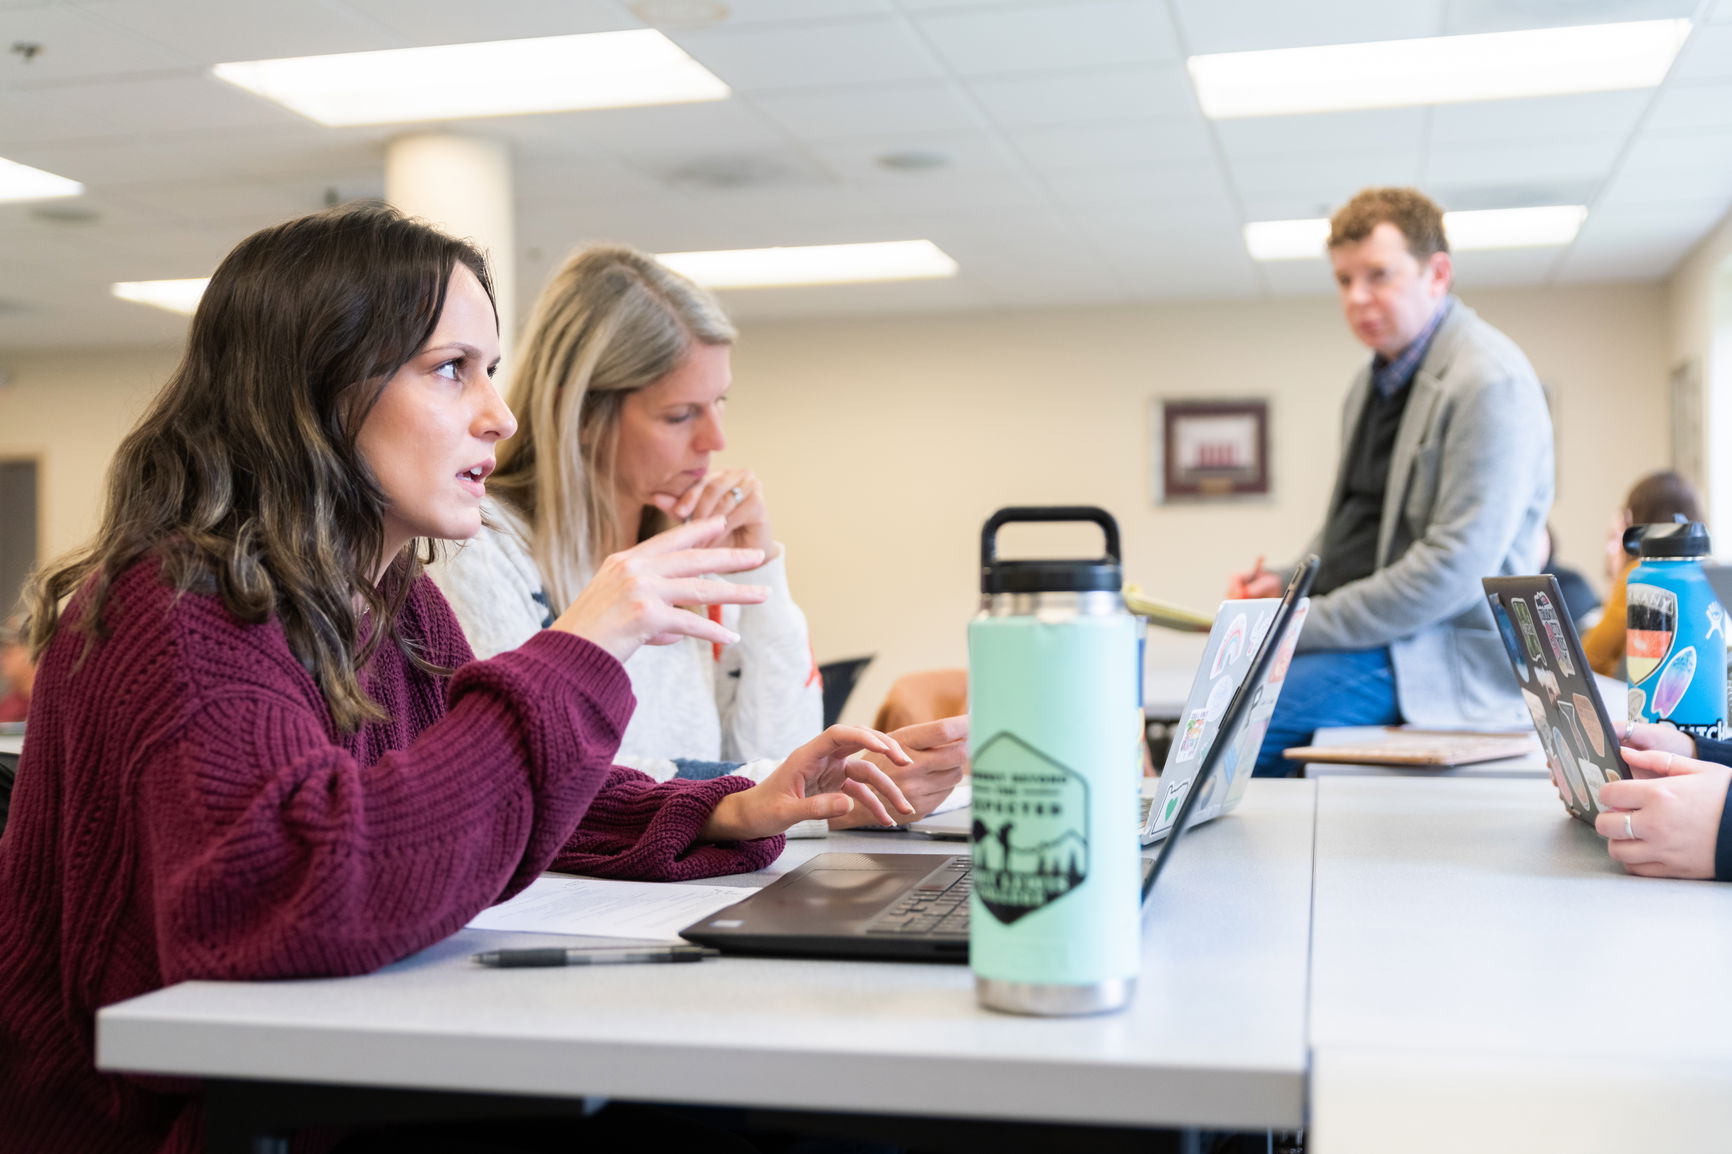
x: 1684, y: 539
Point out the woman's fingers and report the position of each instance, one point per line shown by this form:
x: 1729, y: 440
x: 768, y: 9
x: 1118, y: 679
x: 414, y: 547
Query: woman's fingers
x: 864, y: 772
x: 870, y: 801
x: 706, y: 591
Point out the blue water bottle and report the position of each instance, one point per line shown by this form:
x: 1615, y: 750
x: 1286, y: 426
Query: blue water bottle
x: 1055, y: 736
x: 1675, y: 638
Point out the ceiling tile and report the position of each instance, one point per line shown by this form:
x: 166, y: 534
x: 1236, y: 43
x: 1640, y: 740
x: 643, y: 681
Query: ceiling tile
x: 1688, y: 107
x: 213, y: 31
x: 1297, y: 278
x: 923, y: 195
x: 1151, y: 186
x: 1654, y: 185
x: 968, y: 154
x: 1379, y: 128
x: 76, y: 45
x: 1125, y: 143
x: 1296, y: 188
x: 1507, y: 266
x: 1077, y: 97
x: 1694, y: 166
x: 1469, y: 16
x: 839, y: 113
x: 464, y: 21
x: 865, y: 51
x: 229, y: 153
x: 1538, y: 118
x: 703, y: 128
x: 1049, y: 37
x: 1514, y: 163
x: 569, y: 179
x: 855, y: 300
x: 1634, y: 243
x: 169, y: 104
x: 1707, y: 55
x: 44, y: 116
x: 1248, y: 25
x: 771, y: 11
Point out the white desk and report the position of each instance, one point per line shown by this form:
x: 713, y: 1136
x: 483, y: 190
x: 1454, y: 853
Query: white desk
x: 1215, y: 1037
x: 1486, y: 978
x: 11, y: 743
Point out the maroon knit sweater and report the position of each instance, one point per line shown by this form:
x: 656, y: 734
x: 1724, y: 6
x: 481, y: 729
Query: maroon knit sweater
x: 185, y: 809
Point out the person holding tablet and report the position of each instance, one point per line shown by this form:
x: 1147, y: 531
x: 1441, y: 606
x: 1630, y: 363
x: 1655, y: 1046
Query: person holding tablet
x: 260, y: 747
x: 622, y: 379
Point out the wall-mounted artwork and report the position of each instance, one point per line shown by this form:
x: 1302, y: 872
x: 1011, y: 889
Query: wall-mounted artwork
x: 1208, y: 450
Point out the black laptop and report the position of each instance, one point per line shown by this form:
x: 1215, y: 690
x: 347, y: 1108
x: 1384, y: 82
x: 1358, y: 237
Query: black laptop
x: 914, y: 907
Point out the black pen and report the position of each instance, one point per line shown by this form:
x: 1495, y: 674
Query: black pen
x: 602, y: 956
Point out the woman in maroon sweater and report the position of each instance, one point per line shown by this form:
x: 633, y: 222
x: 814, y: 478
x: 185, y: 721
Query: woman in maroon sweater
x: 260, y: 747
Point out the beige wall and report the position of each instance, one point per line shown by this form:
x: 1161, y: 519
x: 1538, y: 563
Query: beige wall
x: 1699, y: 311
x: 68, y: 411
x: 885, y: 443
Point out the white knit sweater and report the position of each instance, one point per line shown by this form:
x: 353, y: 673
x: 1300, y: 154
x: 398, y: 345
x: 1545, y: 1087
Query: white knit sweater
x: 753, y: 702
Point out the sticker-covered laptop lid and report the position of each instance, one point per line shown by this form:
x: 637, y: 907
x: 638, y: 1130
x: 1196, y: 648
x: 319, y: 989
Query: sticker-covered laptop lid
x: 1568, y: 713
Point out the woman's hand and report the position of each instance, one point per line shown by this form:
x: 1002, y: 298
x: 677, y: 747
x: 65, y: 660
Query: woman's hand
x: 736, y: 494
x: 1666, y: 823
x: 937, y: 759
x: 822, y: 779
x: 1659, y: 738
x: 633, y: 598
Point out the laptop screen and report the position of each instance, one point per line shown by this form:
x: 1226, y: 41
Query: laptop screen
x: 1244, y: 700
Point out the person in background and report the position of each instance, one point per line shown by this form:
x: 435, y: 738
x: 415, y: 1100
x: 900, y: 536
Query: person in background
x: 1445, y: 478
x: 1657, y: 499
x: 1580, y: 601
x: 260, y: 747
x: 623, y: 375
x: 17, y: 671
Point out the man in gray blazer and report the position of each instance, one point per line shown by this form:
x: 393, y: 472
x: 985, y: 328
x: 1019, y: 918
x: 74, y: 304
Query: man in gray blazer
x: 1445, y: 478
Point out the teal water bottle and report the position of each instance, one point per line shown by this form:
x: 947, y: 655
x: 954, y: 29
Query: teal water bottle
x: 1054, y: 733
x: 1675, y: 632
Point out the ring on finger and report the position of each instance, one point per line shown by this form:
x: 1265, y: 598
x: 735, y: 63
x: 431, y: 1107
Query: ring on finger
x: 1629, y: 827
x: 737, y: 493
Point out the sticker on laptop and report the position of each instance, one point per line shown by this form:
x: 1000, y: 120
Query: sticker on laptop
x: 1554, y: 632
x: 1220, y: 695
x: 1191, y: 735
x: 1589, y: 719
x: 1232, y: 646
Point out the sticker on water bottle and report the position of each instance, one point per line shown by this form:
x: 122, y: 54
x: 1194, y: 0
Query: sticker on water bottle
x: 1031, y: 828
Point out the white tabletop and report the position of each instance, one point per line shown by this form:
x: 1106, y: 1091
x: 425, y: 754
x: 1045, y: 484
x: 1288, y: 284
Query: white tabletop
x: 11, y: 743
x: 1486, y: 978
x: 1215, y: 1037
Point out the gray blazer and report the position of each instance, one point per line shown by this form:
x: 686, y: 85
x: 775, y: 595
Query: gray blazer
x: 1470, y: 488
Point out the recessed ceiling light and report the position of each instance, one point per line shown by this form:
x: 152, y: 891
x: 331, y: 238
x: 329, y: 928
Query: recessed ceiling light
x: 814, y: 264
x: 498, y: 78
x: 21, y: 182
x: 1480, y: 229
x: 1437, y: 70
x: 177, y: 296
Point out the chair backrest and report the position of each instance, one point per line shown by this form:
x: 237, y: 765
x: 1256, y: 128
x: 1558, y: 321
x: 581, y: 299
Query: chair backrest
x: 839, y: 678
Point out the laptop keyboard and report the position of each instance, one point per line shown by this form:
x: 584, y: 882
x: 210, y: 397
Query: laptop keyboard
x: 938, y: 905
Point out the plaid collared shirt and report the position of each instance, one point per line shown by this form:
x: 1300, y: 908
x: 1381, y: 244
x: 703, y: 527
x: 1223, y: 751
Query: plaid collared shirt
x: 1389, y: 377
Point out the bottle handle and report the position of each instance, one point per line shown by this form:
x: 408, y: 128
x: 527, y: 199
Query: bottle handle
x: 1048, y: 513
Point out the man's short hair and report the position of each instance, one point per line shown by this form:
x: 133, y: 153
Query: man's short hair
x: 1416, y: 215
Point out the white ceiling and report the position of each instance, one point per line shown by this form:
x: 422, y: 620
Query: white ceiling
x: 1079, y: 167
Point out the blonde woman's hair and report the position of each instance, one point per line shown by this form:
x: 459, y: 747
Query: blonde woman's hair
x: 611, y: 321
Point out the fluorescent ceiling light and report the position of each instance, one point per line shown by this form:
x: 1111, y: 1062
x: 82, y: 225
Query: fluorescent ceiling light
x: 1485, y: 228
x: 814, y: 264
x: 1439, y: 70
x: 177, y: 296
x: 1286, y: 239
x: 21, y: 182
x: 498, y: 78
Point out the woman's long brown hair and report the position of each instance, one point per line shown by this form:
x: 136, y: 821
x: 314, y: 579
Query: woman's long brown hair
x: 244, y: 477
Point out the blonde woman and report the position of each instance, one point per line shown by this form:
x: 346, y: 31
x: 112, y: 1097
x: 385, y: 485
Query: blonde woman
x: 622, y: 377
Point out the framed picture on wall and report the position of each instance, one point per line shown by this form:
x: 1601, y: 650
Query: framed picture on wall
x: 1210, y: 450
